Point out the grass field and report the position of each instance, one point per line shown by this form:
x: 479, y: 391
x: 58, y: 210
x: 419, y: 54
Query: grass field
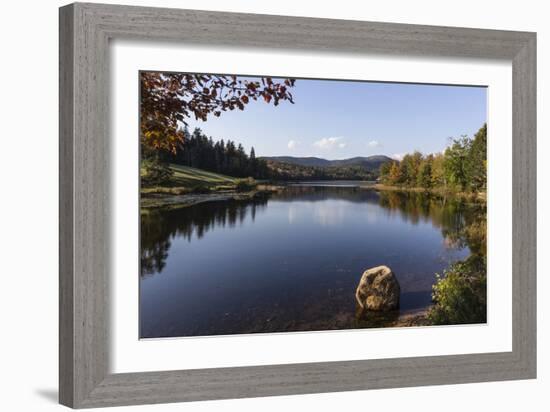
x: 189, y: 179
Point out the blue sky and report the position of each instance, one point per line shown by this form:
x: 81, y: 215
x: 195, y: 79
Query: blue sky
x: 342, y: 119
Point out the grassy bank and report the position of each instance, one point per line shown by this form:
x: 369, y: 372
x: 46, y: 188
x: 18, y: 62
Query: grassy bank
x: 188, y: 179
x: 179, y: 201
x: 189, y: 186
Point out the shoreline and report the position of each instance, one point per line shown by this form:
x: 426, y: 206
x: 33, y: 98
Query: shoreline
x: 480, y: 196
x: 413, y: 318
x: 166, y: 200
x: 151, y: 201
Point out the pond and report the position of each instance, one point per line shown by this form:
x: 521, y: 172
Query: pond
x: 291, y: 261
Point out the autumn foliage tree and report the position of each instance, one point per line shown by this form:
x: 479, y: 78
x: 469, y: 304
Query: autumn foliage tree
x: 461, y: 167
x: 169, y: 100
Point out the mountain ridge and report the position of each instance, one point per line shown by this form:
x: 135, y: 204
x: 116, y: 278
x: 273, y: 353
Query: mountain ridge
x: 369, y: 162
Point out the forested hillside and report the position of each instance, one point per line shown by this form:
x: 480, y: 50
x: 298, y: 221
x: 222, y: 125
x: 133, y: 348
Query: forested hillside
x: 370, y: 163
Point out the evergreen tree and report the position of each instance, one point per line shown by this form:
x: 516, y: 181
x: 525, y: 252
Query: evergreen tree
x: 253, y: 163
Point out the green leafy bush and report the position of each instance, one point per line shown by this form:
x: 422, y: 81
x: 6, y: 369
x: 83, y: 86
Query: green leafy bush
x: 460, y: 295
x: 155, y: 172
x: 245, y: 185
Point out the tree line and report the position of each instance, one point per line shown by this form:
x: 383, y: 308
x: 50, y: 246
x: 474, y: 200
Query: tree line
x: 225, y: 157
x: 461, y: 167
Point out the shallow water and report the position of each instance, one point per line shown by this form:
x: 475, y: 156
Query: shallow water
x: 292, y: 261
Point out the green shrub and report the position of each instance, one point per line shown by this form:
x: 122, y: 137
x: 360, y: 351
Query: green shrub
x: 460, y: 295
x: 245, y: 185
x: 155, y: 172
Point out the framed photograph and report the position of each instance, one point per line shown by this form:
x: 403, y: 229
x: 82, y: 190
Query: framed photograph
x: 256, y: 205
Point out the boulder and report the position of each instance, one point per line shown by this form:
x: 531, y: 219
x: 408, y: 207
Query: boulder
x: 378, y: 290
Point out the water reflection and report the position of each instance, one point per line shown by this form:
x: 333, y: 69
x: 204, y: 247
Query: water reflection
x: 158, y: 226
x: 292, y: 262
x: 463, y: 223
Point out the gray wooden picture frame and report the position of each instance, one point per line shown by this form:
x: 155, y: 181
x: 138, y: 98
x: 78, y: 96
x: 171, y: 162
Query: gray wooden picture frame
x: 85, y: 31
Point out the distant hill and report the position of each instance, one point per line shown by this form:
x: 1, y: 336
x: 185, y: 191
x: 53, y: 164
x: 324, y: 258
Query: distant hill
x: 300, y: 161
x: 370, y: 163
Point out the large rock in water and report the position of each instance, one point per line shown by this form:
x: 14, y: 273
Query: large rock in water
x: 378, y: 290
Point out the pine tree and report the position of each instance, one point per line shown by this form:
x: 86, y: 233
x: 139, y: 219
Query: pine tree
x: 252, y: 162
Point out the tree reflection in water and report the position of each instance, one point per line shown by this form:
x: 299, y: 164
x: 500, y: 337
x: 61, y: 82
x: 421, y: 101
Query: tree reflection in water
x: 462, y: 222
x: 159, y: 226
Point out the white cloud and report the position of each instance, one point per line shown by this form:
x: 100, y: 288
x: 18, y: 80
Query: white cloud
x: 374, y: 143
x: 292, y: 144
x: 398, y: 156
x: 327, y: 143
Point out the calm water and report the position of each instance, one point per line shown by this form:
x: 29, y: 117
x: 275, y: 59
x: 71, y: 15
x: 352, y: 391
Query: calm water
x: 292, y: 261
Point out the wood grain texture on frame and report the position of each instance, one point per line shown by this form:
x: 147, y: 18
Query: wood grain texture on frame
x: 85, y: 31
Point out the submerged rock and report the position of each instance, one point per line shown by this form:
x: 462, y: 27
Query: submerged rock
x: 378, y: 290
